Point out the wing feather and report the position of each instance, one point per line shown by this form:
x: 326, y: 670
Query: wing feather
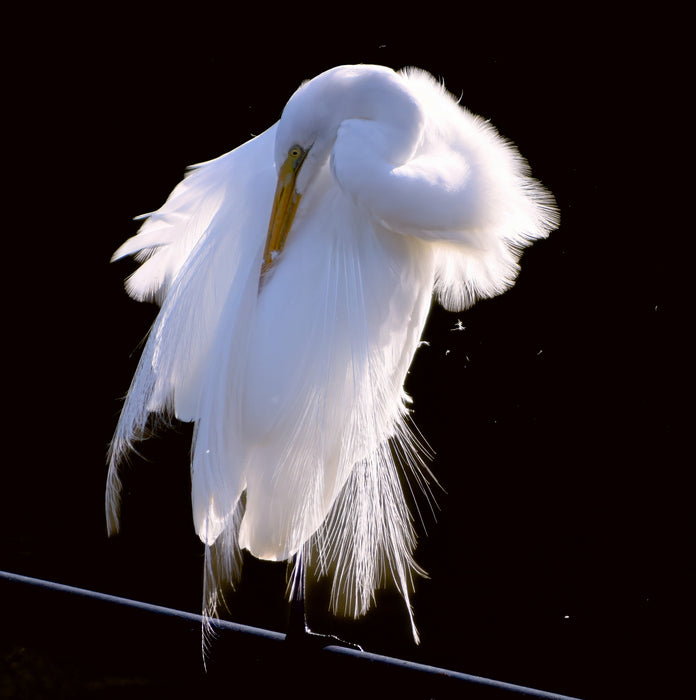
x: 202, y: 253
x: 167, y: 237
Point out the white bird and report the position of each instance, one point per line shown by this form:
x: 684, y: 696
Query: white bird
x: 287, y: 344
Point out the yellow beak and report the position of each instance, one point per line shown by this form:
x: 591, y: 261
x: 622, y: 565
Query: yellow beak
x: 284, y: 207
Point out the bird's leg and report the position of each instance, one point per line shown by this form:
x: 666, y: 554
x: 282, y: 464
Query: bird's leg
x: 298, y: 630
x: 297, y: 625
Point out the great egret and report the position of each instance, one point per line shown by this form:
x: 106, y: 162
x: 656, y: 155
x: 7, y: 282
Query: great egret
x: 287, y: 343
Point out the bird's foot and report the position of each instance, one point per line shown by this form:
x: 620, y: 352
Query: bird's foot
x: 305, y: 636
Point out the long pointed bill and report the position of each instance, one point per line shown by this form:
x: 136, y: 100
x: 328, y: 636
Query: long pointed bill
x: 284, y: 207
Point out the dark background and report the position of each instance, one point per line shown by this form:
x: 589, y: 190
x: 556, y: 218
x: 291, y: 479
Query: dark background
x: 560, y: 556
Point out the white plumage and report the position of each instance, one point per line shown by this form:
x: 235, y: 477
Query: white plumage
x: 292, y: 369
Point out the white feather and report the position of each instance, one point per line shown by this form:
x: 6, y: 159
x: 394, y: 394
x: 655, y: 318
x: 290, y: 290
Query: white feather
x: 295, y: 385
x: 197, y: 266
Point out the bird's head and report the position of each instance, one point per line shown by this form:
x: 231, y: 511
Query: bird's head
x: 309, y: 127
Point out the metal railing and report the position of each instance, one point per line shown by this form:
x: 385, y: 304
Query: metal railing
x: 442, y: 682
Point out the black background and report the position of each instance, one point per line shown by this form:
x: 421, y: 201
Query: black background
x: 560, y: 551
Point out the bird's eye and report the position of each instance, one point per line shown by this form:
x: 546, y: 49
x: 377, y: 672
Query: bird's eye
x: 295, y: 152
